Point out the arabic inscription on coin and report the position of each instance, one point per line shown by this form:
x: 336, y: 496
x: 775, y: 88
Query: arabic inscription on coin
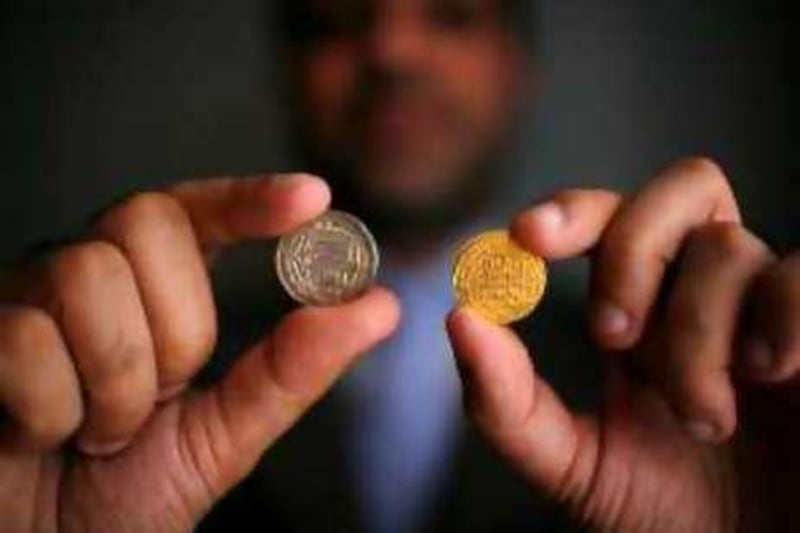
x: 331, y: 260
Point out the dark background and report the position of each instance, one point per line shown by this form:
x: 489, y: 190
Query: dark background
x: 100, y: 98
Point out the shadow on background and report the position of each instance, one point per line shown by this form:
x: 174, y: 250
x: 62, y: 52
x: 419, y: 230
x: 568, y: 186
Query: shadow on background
x: 102, y: 97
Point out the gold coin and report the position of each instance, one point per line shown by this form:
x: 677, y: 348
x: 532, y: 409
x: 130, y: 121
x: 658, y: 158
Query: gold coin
x: 496, y: 278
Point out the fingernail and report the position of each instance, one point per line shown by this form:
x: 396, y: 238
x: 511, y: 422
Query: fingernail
x: 102, y: 449
x: 701, y: 431
x: 549, y: 215
x: 468, y: 317
x: 760, y: 358
x: 611, y: 319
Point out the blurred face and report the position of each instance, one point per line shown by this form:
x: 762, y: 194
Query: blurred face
x: 406, y: 99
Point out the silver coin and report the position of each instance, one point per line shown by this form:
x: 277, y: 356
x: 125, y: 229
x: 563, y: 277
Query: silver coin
x: 330, y: 260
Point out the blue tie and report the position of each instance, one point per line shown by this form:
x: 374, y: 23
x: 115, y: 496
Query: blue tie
x: 406, y: 409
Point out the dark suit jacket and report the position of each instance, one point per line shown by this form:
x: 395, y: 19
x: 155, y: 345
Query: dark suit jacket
x: 302, y: 484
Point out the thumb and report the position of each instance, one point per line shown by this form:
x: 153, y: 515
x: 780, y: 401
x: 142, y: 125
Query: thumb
x: 518, y: 411
x: 230, y: 426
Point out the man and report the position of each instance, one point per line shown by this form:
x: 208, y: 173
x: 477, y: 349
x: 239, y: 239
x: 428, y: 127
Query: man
x: 405, y: 108
x: 100, y: 339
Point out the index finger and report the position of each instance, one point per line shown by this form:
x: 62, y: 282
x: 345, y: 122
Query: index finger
x: 227, y: 210
x: 644, y: 237
x: 166, y: 237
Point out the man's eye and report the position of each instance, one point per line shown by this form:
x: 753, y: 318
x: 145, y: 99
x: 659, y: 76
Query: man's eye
x: 456, y: 14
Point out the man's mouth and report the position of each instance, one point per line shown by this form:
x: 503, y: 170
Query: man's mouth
x: 399, y: 123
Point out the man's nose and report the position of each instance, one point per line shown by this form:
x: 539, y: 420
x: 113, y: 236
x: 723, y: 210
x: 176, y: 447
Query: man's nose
x: 398, y: 40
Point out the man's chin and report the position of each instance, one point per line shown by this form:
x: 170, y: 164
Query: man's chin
x: 413, y: 197
x: 407, y: 209
x: 403, y: 201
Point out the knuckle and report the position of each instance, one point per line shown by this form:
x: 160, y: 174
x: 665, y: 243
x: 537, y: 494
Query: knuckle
x: 568, y: 196
x: 142, y: 208
x: 87, y: 261
x: 715, y: 180
x: 151, y: 204
x: 703, y: 166
x: 50, y: 426
x: 27, y: 330
x: 728, y: 240
x: 579, y: 198
x: 572, y: 195
x: 124, y: 398
x: 623, y: 245
x: 187, y: 347
x: 122, y: 358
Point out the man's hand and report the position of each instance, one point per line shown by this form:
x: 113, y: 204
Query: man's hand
x: 99, y: 341
x: 713, y: 354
